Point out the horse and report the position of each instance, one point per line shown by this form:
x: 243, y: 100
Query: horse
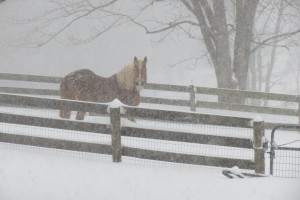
x: 85, y: 85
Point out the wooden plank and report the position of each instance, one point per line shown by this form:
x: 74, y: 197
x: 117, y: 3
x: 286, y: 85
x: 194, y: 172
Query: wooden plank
x: 54, y: 123
x: 174, y: 102
x: 30, y: 78
x: 288, y: 148
x: 115, y: 130
x: 55, y: 143
x: 173, y: 88
x: 188, y: 117
x: 192, y: 92
x: 54, y: 104
x: 186, y: 137
x: 246, y: 108
x: 29, y: 91
x: 259, y: 153
x: 186, y: 158
x: 270, y: 125
x: 247, y: 94
x: 298, y: 109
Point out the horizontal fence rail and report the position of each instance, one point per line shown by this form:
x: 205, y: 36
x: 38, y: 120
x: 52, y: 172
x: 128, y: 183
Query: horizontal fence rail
x: 55, y: 143
x: 53, y: 123
x: 248, y: 94
x: 187, y: 159
x: 29, y: 91
x: 247, y: 108
x: 30, y: 78
x: 54, y: 104
x: 173, y: 102
x: 188, y: 117
x: 186, y: 137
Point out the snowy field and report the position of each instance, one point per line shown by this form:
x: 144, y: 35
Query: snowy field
x: 35, y: 174
x: 31, y: 173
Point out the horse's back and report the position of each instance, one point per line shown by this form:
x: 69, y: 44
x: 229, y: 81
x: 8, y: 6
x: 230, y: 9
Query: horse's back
x: 78, y: 85
x: 79, y: 75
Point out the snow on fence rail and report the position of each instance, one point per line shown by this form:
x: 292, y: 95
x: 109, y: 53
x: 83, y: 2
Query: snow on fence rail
x: 191, y: 102
x: 116, y: 130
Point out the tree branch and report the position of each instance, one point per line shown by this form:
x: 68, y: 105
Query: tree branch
x: 284, y: 35
x: 188, y: 6
x: 171, y: 25
x: 204, y: 28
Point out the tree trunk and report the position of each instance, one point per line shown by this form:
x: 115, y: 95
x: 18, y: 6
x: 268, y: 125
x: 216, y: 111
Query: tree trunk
x: 252, y: 72
x: 245, y: 14
x: 213, y: 26
x: 259, y: 68
x: 253, y: 77
x: 273, y: 53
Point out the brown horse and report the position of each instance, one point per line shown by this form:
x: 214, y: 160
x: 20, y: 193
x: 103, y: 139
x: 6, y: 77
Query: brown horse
x: 84, y: 85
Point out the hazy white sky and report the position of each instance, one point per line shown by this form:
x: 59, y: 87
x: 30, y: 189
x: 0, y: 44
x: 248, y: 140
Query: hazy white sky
x: 105, y: 55
x: 110, y: 52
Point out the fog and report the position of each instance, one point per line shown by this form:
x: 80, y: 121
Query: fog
x: 116, y: 48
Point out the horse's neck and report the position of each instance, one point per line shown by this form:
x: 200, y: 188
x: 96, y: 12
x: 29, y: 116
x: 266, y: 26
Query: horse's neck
x: 122, y: 86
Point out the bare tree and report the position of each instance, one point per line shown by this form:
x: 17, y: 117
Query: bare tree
x: 224, y: 27
x: 275, y: 32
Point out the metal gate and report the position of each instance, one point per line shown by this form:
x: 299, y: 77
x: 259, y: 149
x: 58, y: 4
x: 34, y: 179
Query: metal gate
x: 285, y: 151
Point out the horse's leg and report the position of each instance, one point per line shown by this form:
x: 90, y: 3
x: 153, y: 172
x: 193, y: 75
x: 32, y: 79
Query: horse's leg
x: 80, y: 115
x: 131, y: 118
x: 65, y: 114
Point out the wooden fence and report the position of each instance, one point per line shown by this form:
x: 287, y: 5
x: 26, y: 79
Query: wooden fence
x: 116, y: 130
x: 193, y: 103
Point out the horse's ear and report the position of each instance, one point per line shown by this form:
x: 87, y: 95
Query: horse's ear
x: 135, y: 59
x: 145, y: 59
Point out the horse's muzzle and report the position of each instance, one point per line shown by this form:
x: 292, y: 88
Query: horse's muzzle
x: 140, y: 85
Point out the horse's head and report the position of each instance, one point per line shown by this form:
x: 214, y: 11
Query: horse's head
x: 140, y: 73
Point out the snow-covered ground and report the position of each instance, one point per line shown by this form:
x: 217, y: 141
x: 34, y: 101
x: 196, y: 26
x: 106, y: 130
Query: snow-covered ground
x: 35, y: 174
x: 40, y: 173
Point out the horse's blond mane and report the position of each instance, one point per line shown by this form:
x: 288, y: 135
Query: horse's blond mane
x: 125, y: 77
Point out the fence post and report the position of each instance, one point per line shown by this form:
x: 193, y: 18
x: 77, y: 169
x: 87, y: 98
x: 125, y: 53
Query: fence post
x: 115, y: 122
x: 259, y: 153
x: 191, y: 89
x: 299, y: 108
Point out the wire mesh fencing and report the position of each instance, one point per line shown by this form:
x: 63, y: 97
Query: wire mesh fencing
x: 175, y: 137
x: 206, y: 148
x: 159, y: 135
x: 285, y: 151
x: 31, y: 127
